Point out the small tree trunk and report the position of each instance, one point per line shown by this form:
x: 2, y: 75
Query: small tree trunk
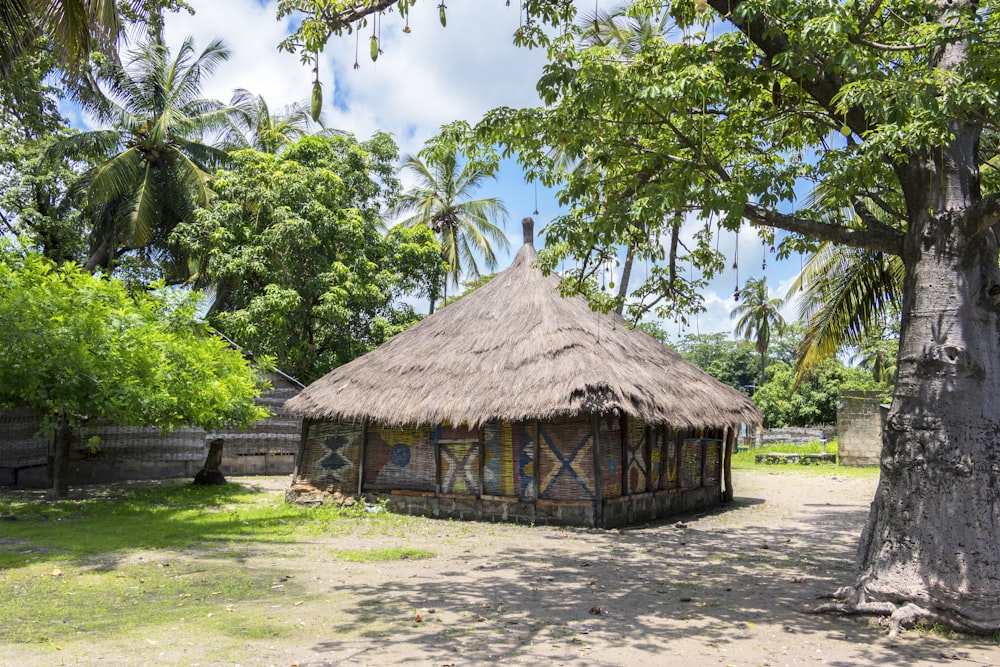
x: 210, y: 474
x: 63, y: 442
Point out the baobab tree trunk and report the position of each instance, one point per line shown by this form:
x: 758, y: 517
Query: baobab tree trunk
x: 931, y: 548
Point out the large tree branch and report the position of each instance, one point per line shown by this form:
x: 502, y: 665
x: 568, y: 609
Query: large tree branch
x: 771, y: 40
x: 337, y: 21
x: 882, y: 238
x: 983, y: 215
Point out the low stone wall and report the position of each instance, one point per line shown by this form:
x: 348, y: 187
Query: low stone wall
x: 644, y: 507
x: 794, y: 435
x: 105, y: 472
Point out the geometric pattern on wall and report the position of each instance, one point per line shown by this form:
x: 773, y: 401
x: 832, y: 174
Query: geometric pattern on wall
x: 460, y: 466
x: 400, y: 458
x: 521, y: 437
x: 637, y: 468
x: 671, y: 469
x: 692, y: 460
x: 656, y: 456
x: 612, y: 461
x: 713, y: 468
x: 566, y: 465
x: 492, y: 482
x: 509, y: 459
x: 331, y: 455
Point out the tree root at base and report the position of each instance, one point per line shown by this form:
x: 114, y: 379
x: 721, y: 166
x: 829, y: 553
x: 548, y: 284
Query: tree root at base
x: 851, y: 601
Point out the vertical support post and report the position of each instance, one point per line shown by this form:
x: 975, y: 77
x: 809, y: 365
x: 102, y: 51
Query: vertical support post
x: 482, y: 456
x: 437, y: 460
x: 727, y: 466
x: 647, y: 452
x: 364, y: 455
x: 303, y: 438
x: 537, y: 454
x: 626, y: 454
x: 598, y: 490
x: 679, y: 438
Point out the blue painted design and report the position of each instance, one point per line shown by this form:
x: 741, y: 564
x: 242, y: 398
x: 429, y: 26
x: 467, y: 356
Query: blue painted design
x: 612, y: 455
x: 491, y: 465
x: 400, y: 455
x: 565, y: 464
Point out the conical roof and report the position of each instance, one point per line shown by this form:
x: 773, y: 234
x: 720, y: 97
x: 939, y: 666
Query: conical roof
x: 516, y: 350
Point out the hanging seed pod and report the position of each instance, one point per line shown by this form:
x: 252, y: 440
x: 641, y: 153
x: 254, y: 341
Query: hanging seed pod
x: 442, y: 15
x: 373, y: 48
x: 317, y: 101
x: 845, y: 130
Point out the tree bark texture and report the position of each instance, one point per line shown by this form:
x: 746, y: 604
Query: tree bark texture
x: 211, y: 473
x: 932, y: 542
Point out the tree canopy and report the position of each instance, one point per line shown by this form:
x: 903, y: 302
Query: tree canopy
x: 77, y: 347
x: 290, y: 248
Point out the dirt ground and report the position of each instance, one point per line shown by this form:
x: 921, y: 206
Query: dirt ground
x: 725, y: 588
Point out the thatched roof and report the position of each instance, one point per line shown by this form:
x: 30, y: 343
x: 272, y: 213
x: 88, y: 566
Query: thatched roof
x: 515, y: 350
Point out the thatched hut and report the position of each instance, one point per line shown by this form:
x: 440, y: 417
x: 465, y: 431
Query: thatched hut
x: 515, y: 403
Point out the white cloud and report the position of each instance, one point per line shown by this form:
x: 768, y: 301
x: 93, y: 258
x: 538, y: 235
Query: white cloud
x: 422, y: 80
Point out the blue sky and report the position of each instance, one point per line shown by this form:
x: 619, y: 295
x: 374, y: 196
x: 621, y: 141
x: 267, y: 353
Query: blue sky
x: 424, y: 79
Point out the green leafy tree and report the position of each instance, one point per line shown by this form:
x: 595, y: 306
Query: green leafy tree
x: 291, y: 249
x: 811, y: 398
x: 78, y: 347
x: 154, y: 168
x: 75, y: 28
x: 759, y: 317
x: 729, y: 361
x: 35, y: 204
x: 441, y: 199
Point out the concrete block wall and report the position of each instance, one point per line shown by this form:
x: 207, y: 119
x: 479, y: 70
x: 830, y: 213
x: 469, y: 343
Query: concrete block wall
x: 860, y: 422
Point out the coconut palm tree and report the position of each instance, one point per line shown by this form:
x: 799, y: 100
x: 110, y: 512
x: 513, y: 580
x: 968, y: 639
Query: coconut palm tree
x: 847, y: 297
x: 75, y: 28
x: 254, y: 126
x: 154, y: 165
x: 759, y: 317
x: 441, y: 199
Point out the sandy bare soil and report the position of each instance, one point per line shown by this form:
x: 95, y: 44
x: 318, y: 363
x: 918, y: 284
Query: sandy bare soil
x: 725, y: 588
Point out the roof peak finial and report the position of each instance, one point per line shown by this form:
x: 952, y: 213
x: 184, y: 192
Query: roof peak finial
x: 528, y: 225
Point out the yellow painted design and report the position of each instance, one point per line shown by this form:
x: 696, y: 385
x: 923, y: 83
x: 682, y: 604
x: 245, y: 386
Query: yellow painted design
x: 506, y: 459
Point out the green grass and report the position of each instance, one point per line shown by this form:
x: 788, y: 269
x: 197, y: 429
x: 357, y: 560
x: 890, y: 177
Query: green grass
x: 43, y: 603
x: 122, y: 560
x: 380, y: 555
x: 746, y: 460
x: 175, y: 516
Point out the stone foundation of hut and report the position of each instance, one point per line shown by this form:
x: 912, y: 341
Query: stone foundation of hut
x: 592, y: 471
